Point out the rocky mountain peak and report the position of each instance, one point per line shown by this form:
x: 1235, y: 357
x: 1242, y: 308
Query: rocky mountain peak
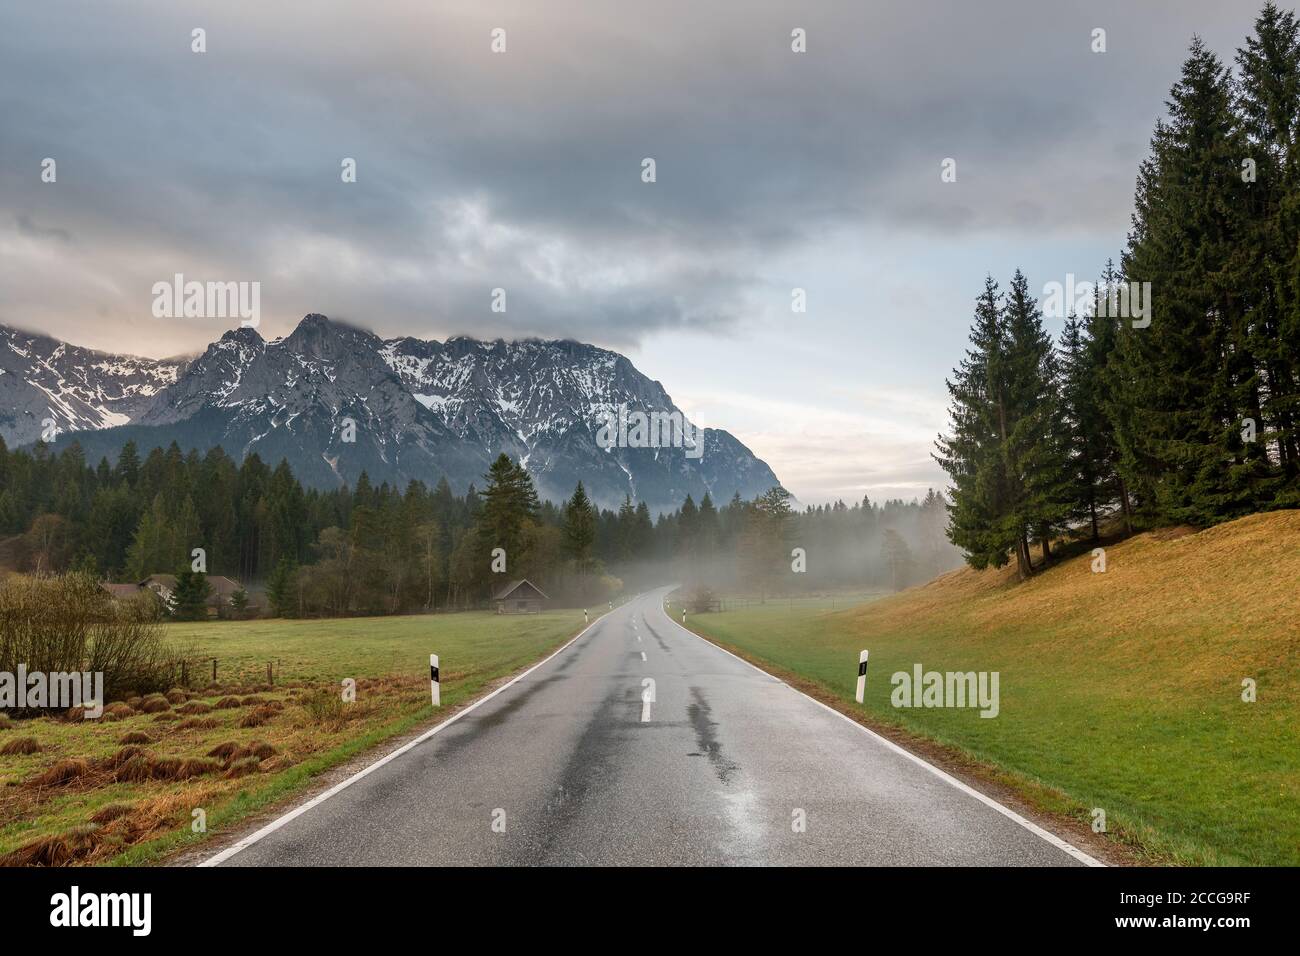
x: 419, y: 409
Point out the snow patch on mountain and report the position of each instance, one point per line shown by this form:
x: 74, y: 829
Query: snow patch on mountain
x: 422, y: 410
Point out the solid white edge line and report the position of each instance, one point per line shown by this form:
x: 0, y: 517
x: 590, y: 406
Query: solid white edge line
x: 298, y: 811
x: 1029, y: 825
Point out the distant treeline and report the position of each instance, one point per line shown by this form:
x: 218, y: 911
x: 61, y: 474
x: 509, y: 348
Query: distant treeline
x: 376, y: 550
x: 1187, y: 414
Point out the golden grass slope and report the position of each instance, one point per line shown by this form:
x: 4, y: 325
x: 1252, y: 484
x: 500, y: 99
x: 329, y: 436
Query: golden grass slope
x: 1185, y: 610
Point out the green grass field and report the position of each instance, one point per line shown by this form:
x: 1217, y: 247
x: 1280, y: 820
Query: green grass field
x: 473, y: 647
x: 149, y: 813
x: 1119, y: 690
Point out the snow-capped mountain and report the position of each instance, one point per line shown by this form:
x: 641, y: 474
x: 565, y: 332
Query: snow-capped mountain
x: 335, y: 400
x: 48, y: 385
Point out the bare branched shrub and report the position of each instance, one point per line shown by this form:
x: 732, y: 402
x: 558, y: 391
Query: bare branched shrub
x: 66, y: 623
x: 702, y: 599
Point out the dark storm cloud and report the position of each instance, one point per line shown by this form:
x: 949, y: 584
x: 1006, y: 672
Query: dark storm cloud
x: 522, y: 170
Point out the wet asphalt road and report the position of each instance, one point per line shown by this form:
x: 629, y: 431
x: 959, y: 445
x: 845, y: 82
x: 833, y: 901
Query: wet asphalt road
x: 715, y: 776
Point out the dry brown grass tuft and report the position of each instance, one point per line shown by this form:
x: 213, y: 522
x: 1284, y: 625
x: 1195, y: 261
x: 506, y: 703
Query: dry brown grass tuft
x: 165, y: 717
x: 242, y: 768
x: 135, y: 737
x: 194, y: 707
x: 59, y: 850
x: 259, y: 716
x: 177, y: 768
x: 165, y: 768
x: 62, y: 773
x: 5, y: 722
x: 227, y: 703
x: 135, y: 770
x: 259, y: 749
x: 21, y: 746
x: 111, y: 812
x: 198, y: 723
x: 224, y: 751
x: 159, y: 812
x: 177, y: 696
x: 123, y: 756
x: 119, y: 710
x: 253, y: 701
x: 196, y: 767
x: 154, y: 704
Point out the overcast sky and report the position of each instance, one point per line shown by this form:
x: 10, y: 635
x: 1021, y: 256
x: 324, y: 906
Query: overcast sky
x: 522, y: 170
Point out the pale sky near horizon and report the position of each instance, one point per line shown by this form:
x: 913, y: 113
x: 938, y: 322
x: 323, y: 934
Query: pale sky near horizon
x: 522, y: 170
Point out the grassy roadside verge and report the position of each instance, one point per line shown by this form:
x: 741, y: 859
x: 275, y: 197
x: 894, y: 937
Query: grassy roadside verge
x: 243, y: 746
x: 1120, y: 691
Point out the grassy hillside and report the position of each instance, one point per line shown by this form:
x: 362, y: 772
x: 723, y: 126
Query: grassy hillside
x: 1119, y: 690
x: 123, y: 788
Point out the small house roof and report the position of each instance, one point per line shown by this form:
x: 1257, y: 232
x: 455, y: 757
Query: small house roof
x: 219, y: 583
x: 510, y: 589
x: 121, y: 590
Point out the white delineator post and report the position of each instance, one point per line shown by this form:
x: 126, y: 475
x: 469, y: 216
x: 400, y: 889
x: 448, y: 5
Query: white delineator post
x: 435, y: 685
x: 862, y: 676
x: 585, y: 620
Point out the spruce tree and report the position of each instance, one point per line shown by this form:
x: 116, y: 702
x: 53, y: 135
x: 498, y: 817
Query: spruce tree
x: 1186, y: 381
x: 128, y: 464
x: 642, y: 532
x: 972, y: 453
x: 707, y: 528
x: 579, y: 532
x: 189, y: 598
x: 1086, y: 426
x: 1268, y: 103
x: 1007, y: 450
x: 280, y: 589
x: 510, y: 505
x: 625, y: 529
x: 1035, y: 450
x: 688, y: 529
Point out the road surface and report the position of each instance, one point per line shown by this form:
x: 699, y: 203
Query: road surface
x: 567, y: 767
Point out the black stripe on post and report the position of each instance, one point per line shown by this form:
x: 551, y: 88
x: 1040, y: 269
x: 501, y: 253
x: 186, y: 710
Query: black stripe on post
x: 862, y: 668
x: 433, y: 673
